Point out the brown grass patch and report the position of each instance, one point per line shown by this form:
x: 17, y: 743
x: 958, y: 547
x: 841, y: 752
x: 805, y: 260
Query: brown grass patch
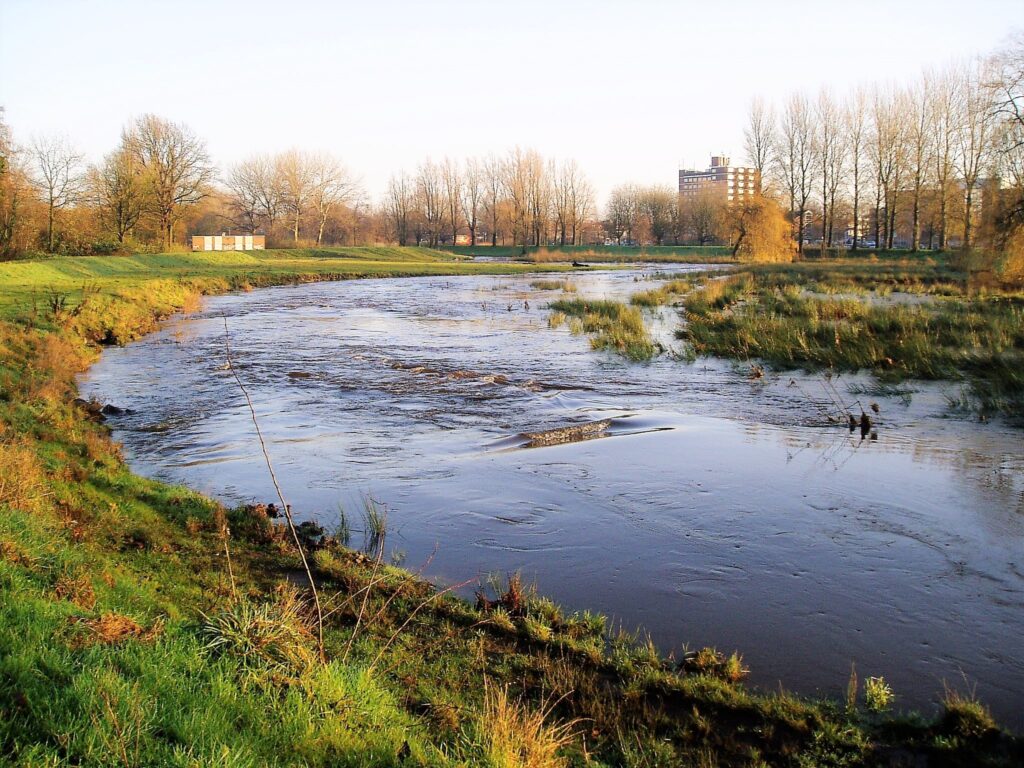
x: 112, y: 628
x: 21, y: 477
x: 75, y: 588
x: 11, y: 553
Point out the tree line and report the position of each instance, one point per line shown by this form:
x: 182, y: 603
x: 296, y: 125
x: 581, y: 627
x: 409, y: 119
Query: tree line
x: 935, y: 164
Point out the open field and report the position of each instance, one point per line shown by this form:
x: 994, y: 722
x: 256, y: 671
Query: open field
x: 697, y: 254
x: 23, y: 283
x: 143, y: 624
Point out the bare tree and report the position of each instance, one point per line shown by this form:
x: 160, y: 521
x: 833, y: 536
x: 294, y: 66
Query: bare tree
x: 702, y: 215
x: 759, y: 137
x: 295, y: 172
x: 494, y: 185
x: 430, y: 195
x: 540, y: 175
x: 623, y: 212
x: 399, y: 203
x: 888, y: 148
x: 920, y: 135
x: 941, y: 89
x: 796, y: 158
x: 452, y: 182
x: 472, y: 195
x: 58, y: 175
x: 1007, y: 89
x: 176, y: 165
x: 857, y: 136
x: 330, y: 186
x: 581, y: 204
x: 119, y: 193
x: 973, y: 134
x: 657, y: 205
x: 830, y: 151
x: 571, y: 201
x: 516, y: 187
x: 255, y: 192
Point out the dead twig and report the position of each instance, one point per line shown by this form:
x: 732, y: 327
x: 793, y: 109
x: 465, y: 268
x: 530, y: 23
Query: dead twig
x: 280, y: 495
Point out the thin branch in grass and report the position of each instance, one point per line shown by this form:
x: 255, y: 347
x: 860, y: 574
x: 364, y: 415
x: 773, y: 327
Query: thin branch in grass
x: 225, y: 533
x: 411, y: 616
x: 362, y: 608
x: 280, y: 495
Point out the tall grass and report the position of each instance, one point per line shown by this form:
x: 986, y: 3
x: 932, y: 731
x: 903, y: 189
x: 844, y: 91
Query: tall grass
x: 512, y: 735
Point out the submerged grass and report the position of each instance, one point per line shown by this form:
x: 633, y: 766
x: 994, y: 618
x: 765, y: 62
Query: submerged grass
x: 663, y: 294
x: 848, y: 317
x: 553, y: 285
x: 144, y: 624
x: 614, y: 325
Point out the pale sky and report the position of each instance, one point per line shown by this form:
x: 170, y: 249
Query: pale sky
x: 628, y: 89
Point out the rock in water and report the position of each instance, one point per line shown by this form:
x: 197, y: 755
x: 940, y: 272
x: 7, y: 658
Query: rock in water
x: 570, y: 434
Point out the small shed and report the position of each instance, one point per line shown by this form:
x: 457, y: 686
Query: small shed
x: 229, y: 242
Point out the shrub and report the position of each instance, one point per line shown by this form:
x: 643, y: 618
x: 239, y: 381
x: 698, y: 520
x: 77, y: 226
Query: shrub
x: 878, y: 694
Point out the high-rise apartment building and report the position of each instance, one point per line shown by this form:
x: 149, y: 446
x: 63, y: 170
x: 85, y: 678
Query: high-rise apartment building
x: 732, y: 182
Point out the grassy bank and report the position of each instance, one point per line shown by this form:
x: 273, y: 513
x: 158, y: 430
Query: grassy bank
x: 143, y: 624
x: 920, y: 319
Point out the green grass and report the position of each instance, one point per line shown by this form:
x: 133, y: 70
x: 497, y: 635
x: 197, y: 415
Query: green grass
x: 27, y: 283
x: 144, y: 624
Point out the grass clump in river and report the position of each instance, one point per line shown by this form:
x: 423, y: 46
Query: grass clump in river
x: 553, y: 285
x: 614, y: 326
x: 663, y: 294
x: 144, y: 624
x: 848, y: 318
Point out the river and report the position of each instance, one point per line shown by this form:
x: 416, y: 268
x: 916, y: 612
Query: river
x: 716, y: 509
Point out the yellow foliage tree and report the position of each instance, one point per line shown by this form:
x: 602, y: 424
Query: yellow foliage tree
x: 757, y: 230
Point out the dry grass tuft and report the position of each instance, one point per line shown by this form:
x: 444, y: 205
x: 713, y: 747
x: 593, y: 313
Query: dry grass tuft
x: 515, y: 736
x: 709, y: 661
x: 965, y: 716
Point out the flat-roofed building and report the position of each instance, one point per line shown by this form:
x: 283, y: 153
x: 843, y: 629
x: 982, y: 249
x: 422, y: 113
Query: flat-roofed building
x: 733, y: 182
x: 229, y: 242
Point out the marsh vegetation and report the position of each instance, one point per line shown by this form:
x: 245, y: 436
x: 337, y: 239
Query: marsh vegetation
x: 899, y: 320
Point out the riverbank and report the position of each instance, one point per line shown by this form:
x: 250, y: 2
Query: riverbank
x: 136, y: 630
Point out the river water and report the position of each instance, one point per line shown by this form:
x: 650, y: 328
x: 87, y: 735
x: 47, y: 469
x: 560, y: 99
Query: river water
x: 715, y: 509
